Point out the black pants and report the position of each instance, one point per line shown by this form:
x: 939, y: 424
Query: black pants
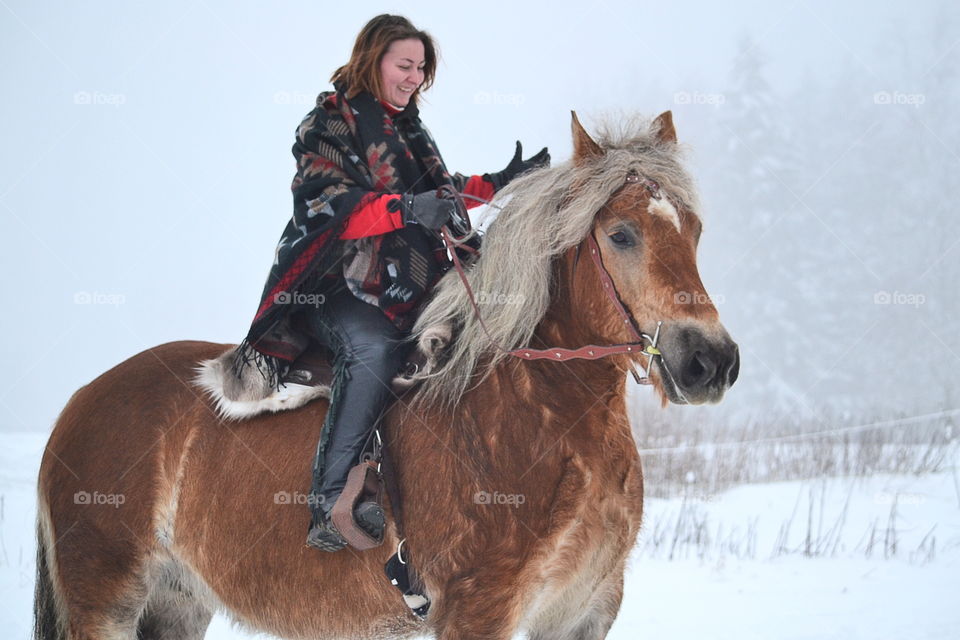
x: 368, y: 352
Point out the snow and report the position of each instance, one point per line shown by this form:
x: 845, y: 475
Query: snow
x: 709, y: 593
x: 727, y: 582
x: 789, y: 599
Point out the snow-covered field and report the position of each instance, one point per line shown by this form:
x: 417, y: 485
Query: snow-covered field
x: 874, y: 557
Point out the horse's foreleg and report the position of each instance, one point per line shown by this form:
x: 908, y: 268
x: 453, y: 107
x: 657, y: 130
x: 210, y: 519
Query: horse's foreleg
x: 474, y: 608
x: 591, y: 621
x: 604, y: 607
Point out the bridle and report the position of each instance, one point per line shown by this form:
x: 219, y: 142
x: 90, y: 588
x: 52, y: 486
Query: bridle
x: 590, y: 351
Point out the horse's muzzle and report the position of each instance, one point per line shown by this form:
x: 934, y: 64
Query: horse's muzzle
x: 698, y: 364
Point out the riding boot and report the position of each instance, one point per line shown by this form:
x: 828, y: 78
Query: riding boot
x: 368, y: 351
x: 323, y: 534
x: 362, y: 398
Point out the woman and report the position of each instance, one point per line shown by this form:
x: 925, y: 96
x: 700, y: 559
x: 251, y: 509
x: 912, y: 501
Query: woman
x: 361, y: 250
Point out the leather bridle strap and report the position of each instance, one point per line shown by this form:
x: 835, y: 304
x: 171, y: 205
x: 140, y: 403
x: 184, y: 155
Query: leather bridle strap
x: 558, y: 354
x: 611, y: 289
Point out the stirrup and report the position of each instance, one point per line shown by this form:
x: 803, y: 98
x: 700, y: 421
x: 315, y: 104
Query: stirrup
x: 370, y: 517
x: 363, y: 487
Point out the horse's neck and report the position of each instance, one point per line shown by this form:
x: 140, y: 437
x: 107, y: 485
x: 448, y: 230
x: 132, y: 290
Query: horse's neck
x: 540, y: 411
x: 529, y: 410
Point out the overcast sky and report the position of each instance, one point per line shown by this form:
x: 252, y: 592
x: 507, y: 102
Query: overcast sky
x: 145, y: 146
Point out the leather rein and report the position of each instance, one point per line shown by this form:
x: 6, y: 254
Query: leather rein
x: 587, y: 352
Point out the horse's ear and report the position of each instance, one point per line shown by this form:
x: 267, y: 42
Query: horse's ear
x: 663, y: 126
x: 584, y: 147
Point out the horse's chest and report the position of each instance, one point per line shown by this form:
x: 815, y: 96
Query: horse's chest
x: 604, y: 531
x: 603, y: 511
x: 590, y: 547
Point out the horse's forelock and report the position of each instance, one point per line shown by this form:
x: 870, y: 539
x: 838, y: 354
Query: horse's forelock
x: 539, y: 221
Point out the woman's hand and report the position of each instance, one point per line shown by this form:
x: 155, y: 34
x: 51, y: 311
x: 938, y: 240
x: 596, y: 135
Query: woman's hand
x: 518, y: 166
x: 426, y: 209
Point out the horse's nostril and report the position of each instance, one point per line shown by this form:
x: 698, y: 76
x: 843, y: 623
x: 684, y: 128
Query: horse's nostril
x: 699, y: 370
x: 696, y: 367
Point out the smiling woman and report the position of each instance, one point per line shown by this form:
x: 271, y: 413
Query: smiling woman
x: 391, y: 59
x: 402, y: 71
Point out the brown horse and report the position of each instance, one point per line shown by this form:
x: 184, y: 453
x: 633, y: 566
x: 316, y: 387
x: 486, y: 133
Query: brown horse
x: 521, y: 482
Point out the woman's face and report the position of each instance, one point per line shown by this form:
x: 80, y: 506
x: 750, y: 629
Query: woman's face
x: 401, y: 71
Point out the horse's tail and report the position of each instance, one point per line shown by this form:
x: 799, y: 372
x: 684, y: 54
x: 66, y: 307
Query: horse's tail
x: 47, y: 620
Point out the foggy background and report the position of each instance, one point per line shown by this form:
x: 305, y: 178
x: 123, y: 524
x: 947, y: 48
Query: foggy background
x: 145, y: 168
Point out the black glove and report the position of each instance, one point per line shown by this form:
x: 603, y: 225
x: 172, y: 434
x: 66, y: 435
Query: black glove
x: 518, y: 166
x: 425, y: 209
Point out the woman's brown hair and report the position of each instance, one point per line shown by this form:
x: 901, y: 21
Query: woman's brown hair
x: 362, y: 72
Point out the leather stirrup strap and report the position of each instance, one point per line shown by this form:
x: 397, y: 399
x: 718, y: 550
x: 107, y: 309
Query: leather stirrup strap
x: 392, y: 486
x: 360, y: 480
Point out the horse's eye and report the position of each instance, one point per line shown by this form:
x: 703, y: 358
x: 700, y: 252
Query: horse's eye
x: 621, y: 239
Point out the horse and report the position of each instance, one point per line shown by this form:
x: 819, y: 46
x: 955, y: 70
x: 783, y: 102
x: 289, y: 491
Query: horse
x: 521, y: 483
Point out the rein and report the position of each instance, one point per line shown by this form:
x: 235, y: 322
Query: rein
x: 559, y: 354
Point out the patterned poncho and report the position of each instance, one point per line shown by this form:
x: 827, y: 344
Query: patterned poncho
x: 347, y: 152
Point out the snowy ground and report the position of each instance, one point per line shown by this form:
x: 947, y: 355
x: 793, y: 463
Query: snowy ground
x: 833, y: 558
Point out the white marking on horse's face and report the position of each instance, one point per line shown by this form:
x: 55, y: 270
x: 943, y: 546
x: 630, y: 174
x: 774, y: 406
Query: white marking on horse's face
x: 665, y: 209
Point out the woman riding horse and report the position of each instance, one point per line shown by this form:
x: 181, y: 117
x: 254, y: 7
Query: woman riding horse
x: 362, y: 249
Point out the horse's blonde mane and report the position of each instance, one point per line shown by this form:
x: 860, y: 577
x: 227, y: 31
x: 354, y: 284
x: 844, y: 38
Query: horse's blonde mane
x: 541, y: 217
